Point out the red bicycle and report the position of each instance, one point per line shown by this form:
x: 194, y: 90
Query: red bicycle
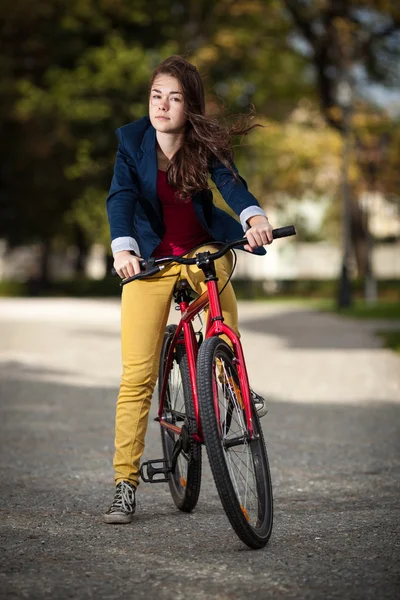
x: 204, y: 398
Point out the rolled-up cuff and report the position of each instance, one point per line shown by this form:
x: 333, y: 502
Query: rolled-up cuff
x: 250, y: 211
x: 125, y: 243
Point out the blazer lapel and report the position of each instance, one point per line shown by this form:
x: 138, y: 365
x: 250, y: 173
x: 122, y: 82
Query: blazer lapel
x: 148, y: 168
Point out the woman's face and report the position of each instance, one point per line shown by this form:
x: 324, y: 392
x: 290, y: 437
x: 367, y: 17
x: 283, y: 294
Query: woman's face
x: 166, y: 105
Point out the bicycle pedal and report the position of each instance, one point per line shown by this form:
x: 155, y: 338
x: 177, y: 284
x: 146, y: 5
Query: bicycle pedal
x: 151, y: 474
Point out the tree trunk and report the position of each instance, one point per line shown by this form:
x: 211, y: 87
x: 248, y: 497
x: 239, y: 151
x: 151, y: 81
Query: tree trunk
x: 44, y: 265
x: 359, y: 238
x: 82, y: 251
x: 41, y: 280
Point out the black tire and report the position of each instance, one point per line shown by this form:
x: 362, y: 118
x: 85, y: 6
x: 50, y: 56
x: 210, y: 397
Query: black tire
x: 247, y: 502
x: 184, y: 484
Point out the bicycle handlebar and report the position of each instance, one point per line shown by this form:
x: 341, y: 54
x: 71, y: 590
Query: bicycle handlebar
x: 154, y: 262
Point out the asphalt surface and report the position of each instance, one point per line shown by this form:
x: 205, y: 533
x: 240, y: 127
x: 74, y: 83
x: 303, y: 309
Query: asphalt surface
x: 332, y: 432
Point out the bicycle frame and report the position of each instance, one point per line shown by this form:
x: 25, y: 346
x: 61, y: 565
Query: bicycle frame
x: 215, y: 327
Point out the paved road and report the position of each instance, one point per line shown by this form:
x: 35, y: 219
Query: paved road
x: 333, y: 434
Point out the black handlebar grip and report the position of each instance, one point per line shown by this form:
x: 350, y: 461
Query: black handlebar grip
x: 151, y: 271
x: 148, y: 273
x: 283, y: 232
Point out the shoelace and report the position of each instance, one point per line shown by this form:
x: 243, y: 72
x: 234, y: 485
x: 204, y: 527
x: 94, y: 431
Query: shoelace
x: 124, y: 498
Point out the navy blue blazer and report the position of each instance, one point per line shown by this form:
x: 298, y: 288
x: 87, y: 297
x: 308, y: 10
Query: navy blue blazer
x: 135, y: 211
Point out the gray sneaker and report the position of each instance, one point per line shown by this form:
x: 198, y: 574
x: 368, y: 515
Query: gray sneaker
x: 260, y: 403
x: 123, y: 507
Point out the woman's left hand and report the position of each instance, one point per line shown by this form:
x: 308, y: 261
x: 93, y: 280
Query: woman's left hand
x: 259, y: 234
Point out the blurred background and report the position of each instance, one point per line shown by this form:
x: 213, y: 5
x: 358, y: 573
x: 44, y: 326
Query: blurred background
x: 322, y: 75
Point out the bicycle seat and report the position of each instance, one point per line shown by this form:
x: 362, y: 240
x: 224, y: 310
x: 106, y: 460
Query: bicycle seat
x: 181, y: 285
x: 183, y: 291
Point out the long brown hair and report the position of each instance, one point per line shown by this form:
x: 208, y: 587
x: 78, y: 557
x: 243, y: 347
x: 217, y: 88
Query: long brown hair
x: 205, y: 141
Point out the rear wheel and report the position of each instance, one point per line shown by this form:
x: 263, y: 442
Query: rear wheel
x: 178, y: 409
x: 239, y: 465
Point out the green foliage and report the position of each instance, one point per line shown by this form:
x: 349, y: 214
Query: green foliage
x: 391, y: 339
x: 317, y: 293
x: 88, y: 212
x: 78, y: 287
x: 380, y: 310
x: 13, y: 289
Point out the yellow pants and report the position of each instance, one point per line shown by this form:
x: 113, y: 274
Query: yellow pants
x: 145, y: 308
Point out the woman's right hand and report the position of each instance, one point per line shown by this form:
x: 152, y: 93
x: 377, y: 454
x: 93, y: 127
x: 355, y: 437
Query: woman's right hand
x: 126, y: 264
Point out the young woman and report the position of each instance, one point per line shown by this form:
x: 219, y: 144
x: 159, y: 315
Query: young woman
x: 160, y: 204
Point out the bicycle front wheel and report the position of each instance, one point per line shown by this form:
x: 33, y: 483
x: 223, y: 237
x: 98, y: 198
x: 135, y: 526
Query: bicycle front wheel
x: 178, y: 409
x: 239, y: 465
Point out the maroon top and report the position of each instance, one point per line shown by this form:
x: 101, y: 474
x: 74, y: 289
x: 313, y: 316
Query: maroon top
x: 183, y: 231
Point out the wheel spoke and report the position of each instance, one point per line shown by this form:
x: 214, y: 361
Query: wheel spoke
x: 184, y: 483
x: 245, y: 482
x: 176, y: 403
x: 241, y: 468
